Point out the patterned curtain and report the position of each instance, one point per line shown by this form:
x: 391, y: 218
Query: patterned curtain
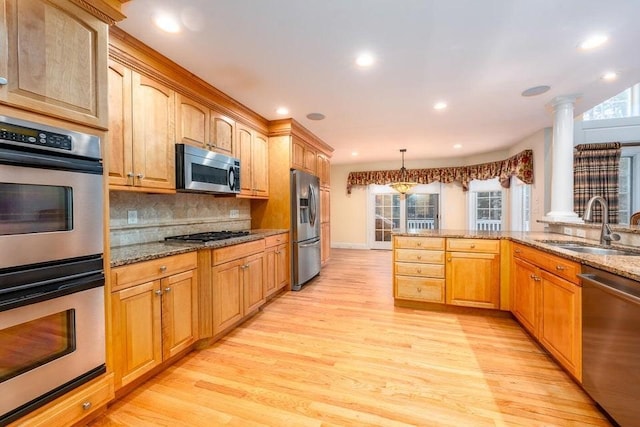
x: 595, y: 173
x: 520, y: 166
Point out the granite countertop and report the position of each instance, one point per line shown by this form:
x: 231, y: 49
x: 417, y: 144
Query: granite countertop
x: 123, y: 255
x: 627, y: 266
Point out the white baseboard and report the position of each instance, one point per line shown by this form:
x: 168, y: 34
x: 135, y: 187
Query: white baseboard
x: 339, y: 245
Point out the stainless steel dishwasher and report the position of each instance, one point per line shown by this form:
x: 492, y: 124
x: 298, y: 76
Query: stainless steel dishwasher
x: 611, y: 343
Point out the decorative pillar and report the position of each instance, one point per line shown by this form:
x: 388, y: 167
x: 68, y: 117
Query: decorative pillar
x: 562, y: 161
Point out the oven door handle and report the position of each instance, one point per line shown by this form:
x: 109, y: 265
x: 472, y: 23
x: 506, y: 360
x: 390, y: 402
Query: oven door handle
x: 39, y: 160
x: 43, y: 293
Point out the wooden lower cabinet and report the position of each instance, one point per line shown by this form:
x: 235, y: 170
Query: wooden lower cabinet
x: 154, y: 320
x: 548, y: 305
x: 237, y: 283
x: 473, y: 274
x: 73, y: 407
x: 419, y: 269
x: 277, y: 263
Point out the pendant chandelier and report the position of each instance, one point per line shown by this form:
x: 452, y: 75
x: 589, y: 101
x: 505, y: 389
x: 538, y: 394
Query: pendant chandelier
x: 403, y: 186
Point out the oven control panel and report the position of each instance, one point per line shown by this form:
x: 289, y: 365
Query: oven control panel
x: 41, y: 138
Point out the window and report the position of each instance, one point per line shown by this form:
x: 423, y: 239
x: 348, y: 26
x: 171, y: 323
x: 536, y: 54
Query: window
x: 390, y: 211
x: 485, y: 202
x: 624, y: 104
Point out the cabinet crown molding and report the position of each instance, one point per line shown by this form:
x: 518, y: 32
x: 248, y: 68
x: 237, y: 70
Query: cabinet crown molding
x: 109, y: 11
x: 292, y: 127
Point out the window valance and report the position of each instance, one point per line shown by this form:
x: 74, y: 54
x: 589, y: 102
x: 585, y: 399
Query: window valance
x: 520, y: 166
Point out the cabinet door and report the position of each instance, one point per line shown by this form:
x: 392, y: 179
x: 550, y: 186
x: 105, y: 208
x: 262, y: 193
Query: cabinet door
x: 55, y: 60
x: 226, y: 281
x: 297, y: 154
x: 310, y: 161
x: 525, y: 298
x: 136, y: 331
x: 282, y: 266
x: 473, y: 279
x: 244, y: 154
x: 269, y: 283
x: 560, y: 328
x: 179, y: 312
x: 324, y: 170
x: 222, y: 134
x: 192, y: 122
x: 253, y: 278
x: 325, y: 205
x: 325, y: 240
x: 260, y: 165
x: 120, y: 146
x: 153, y: 136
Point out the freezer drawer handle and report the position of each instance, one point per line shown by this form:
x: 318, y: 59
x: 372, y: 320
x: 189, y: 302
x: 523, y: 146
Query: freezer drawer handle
x: 308, y: 245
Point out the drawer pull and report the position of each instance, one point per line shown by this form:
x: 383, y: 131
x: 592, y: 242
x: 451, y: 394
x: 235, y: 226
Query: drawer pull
x: 419, y: 244
x: 473, y: 245
x: 419, y: 290
x: 560, y: 267
x: 518, y: 251
x: 86, y: 406
x: 419, y: 256
x: 419, y: 270
x: 449, y: 259
x: 163, y: 268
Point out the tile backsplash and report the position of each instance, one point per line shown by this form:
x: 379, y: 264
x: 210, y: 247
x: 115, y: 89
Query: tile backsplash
x: 159, y: 215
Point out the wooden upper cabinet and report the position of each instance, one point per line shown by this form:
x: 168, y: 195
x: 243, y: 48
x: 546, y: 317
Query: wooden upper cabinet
x: 54, y: 58
x: 199, y: 126
x: 192, y: 122
x: 141, y: 136
x: 153, y: 136
x: 324, y: 170
x: 303, y: 157
x: 222, y: 133
x: 253, y: 152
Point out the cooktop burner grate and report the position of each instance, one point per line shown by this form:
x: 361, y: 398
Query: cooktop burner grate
x: 209, y: 236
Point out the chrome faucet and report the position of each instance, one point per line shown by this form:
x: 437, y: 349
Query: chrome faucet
x: 606, y: 235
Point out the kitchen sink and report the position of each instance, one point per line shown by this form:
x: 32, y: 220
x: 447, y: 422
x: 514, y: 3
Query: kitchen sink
x: 589, y: 249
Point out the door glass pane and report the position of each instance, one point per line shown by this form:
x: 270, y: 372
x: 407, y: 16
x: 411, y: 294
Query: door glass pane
x: 387, y: 216
x: 27, y: 208
x: 422, y: 212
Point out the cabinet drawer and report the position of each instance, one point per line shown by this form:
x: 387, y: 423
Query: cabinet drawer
x: 133, y: 274
x: 554, y: 264
x: 405, y: 242
x: 473, y: 245
x: 420, y: 289
x: 75, y: 407
x: 417, y: 269
x: 229, y: 253
x: 276, y: 240
x: 416, y: 255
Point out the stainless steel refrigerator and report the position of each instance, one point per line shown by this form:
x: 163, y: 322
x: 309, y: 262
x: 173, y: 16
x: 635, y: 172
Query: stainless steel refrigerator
x: 305, y: 223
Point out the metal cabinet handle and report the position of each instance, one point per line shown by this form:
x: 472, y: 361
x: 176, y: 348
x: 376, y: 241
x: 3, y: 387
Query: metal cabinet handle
x: 130, y: 175
x: 158, y: 292
x: 167, y: 289
x: 140, y: 176
x: 473, y: 245
x: 3, y: 81
x: 449, y: 259
x: 419, y: 290
x: 86, y: 406
x: 419, y: 270
x: 560, y: 267
x: 419, y: 257
x: 419, y: 244
x: 163, y: 268
x: 517, y: 251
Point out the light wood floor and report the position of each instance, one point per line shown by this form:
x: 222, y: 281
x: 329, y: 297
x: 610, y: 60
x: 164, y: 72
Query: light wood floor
x: 338, y: 353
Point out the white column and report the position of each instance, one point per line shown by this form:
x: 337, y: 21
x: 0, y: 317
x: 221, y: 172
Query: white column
x: 562, y: 161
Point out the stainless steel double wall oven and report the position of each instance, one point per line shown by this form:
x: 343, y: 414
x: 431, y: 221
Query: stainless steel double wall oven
x: 52, y: 323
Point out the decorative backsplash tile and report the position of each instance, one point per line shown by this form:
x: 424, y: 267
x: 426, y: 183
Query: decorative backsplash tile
x: 161, y: 215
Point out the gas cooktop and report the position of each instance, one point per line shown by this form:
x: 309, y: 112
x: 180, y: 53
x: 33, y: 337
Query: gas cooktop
x: 209, y: 236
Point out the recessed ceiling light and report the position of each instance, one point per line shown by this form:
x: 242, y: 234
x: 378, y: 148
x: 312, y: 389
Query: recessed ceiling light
x: 365, y: 60
x: 167, y: 23
x: 283, y: 111
x: 457, y: 146
x: 315, y: 116
x: 440, y: 105
x: 536, y: 90
x: 610, y: 76
x: 354, y: 153
x: 594, y: 41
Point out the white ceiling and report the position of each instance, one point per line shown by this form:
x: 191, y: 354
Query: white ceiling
x: 478, y: 56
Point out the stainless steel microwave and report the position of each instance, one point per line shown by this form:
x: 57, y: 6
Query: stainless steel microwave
x: 200, y: 170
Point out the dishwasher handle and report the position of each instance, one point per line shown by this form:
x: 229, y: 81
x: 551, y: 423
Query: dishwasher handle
x: 611, y: 288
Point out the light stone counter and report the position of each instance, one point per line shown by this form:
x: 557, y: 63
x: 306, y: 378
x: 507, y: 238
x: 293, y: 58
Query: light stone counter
x: 627, y: 266
x: 130, y: 254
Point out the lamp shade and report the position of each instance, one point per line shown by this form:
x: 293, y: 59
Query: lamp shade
x: 403, y: 186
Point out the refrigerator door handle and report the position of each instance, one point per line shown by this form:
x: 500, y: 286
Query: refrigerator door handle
x: 312, y: 206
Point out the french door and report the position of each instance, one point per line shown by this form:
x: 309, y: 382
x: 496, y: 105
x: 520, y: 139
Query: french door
x: 391, y: 212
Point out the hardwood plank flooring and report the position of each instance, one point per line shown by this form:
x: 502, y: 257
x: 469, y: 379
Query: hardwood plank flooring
x: 338, y: 353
